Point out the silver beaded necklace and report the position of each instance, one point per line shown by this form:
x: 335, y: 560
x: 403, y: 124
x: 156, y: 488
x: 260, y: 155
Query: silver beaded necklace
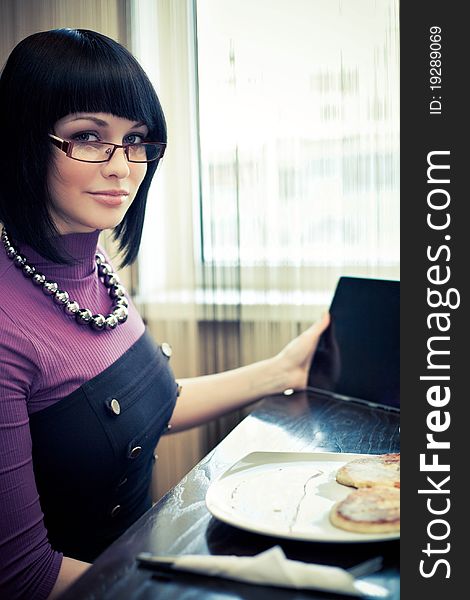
x: 83, y: 316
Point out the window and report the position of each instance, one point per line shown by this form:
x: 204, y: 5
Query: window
x: 299, y: 132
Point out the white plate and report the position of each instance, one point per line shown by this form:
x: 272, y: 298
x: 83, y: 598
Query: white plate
x: 285, y: 494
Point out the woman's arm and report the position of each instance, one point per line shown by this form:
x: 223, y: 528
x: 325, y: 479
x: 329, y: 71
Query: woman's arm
x: 70, y: 570
x: 210, y: 396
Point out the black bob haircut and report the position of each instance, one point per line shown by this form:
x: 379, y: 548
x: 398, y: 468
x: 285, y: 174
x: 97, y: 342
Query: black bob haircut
x: 47, y: 76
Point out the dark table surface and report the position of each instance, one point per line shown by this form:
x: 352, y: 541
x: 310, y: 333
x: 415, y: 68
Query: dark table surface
x: 181, y: 524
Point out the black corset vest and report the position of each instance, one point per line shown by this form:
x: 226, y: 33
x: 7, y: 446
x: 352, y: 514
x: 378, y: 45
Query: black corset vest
x: 93, y: 451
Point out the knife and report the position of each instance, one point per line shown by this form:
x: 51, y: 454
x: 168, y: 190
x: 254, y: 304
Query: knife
x: 359, y: 587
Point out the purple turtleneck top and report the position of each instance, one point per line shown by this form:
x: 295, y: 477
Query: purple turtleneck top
x: 44, y: 356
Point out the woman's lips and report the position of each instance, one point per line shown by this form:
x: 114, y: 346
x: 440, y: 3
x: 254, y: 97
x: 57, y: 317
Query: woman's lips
x: 113, y: 198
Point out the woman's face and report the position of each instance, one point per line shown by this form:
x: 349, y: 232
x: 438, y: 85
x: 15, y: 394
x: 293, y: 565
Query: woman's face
x: 90, y: 196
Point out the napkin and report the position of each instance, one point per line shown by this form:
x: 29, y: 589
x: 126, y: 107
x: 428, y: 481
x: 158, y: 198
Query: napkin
x: 271, y: 568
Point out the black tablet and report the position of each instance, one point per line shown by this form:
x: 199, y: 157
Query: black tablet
x: 358, y: 356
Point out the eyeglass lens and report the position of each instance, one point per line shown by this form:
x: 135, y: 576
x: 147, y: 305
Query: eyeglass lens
x: 101, y: 152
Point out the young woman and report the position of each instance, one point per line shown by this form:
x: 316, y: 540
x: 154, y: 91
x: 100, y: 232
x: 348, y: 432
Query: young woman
x: 84, y: 392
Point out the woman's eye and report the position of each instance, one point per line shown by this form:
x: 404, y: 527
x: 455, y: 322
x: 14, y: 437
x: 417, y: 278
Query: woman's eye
x: 85, y: 136
x: 134, y: 138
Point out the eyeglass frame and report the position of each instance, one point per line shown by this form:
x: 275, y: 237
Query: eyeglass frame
x: 67, y: 147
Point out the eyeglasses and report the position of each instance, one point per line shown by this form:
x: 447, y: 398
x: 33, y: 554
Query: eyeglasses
x: 99, y: 152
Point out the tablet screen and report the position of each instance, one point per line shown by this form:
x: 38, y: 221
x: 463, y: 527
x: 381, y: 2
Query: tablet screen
x: 358, y: 356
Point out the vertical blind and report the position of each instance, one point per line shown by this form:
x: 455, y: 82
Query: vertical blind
x: 299, y: 144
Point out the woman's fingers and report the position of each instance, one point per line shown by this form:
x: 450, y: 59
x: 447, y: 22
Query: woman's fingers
x: 314, y: 332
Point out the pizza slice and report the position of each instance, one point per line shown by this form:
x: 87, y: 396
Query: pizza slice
x: 368, y: 510
x: 369, y: 471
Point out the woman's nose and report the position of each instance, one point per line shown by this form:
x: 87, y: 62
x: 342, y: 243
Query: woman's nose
x: 117, y: 166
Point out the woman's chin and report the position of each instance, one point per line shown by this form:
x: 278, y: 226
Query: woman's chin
x: 88, y: 226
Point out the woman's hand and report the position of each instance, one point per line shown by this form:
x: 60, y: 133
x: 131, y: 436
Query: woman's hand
x: 295, y: 358
x: 210, y: 396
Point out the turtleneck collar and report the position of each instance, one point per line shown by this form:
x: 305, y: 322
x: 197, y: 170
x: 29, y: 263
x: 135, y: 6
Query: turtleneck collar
x: 79, y: 246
